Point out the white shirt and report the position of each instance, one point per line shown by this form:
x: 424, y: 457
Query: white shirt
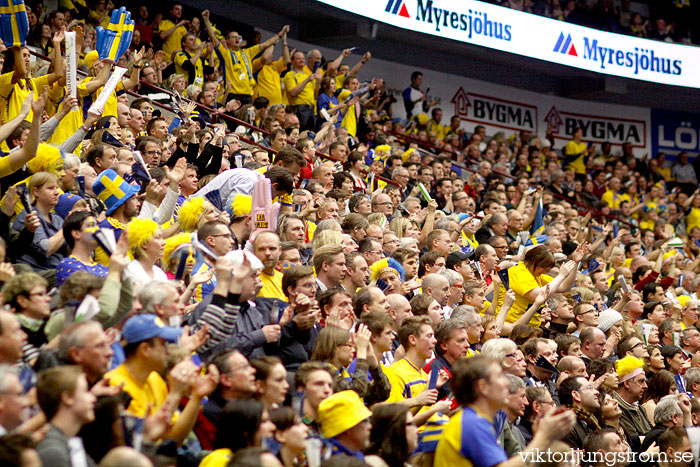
x: 134, y: 271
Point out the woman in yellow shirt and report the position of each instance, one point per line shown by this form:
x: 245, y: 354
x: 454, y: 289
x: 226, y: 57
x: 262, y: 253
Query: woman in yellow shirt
x: 530, y: 275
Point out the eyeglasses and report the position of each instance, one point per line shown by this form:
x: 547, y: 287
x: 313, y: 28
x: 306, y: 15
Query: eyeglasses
x: 636, y: 345
x: 387, y: 203
x: 504, y: 247
x: 592, y: 310
x: 228, y: 235
x: 154, y: 153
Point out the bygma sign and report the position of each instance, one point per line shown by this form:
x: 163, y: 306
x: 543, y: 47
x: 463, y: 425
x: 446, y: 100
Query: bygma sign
x: 596, y: 128
x: 472, y: 21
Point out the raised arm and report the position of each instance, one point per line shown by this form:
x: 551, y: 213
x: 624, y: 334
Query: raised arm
x: 58, y: 65
x: 133, y: 79
x: 356, y: 69
x: 28, y: 150
x: 275, y: 39
x: 210, y: 28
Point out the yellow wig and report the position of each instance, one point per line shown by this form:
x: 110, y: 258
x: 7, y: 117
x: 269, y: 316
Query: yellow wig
x: 140, y: 232
x: 190, y: 213
x: 48, y: 159
x: 629, y: 367
x: 241, y: 205
x: 171, y: 245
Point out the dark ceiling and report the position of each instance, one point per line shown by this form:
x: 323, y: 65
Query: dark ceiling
x: 326, y: 26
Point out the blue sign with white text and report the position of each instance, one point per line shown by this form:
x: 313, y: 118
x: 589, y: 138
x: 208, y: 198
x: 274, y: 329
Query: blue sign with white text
x: 675, y: 132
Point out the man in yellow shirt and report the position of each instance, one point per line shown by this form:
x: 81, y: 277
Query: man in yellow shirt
x: 144, y: 337
x: 267, y: 248
x: 300, y: 86
x: 577, y: 152
x: 237, y: 63
x: 268, y: 80
x: 172, y: 31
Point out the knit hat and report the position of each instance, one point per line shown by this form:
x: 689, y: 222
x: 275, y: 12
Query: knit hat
x: 113, y: 190
x: 91, y: 57
x: 341, y: 412
x: 607, y: 319
x: 65, y: 203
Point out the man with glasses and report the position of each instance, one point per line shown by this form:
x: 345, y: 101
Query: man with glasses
x: 539, y: 401
x: 460, y: 201
x: 150, y: 148
x: 236, y: 381
x: 582, y: 396
x: 500, y: 244
x: 217, y: 237
x: 86, y: 344
x: 371, y: 249
x: 390, y: 243
x: 632, y: 345
x: 690, y: 342
x: 585, y: 315
x: 382, y: 204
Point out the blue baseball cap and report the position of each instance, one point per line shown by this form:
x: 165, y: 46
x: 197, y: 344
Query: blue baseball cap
x: 140, y: 328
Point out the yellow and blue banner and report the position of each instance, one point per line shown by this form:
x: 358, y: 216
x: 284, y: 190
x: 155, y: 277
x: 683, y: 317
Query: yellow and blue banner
x: 14, y: 25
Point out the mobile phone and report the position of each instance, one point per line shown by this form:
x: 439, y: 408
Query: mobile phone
x: 81, y: 184
x: 545, y: 364
x: 623, y: 285
x: 182, y: 264
x: 354, y: 49
x: 303, y: 184
x: 23, y: 194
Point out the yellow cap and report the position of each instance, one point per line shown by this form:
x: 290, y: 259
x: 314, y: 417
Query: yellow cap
x: 340, y: 412
x: 91, y: 57
x: 684, y: 299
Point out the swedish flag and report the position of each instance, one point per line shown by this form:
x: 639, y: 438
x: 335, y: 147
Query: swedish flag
x: 536, y: 240
x: 537, y: 227
x: 14, y: 25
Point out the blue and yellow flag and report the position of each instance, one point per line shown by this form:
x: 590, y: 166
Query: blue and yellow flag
x: 537, y: 227
x: 14, y: 25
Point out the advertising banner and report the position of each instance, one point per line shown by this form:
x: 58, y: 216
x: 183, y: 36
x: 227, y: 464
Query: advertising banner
x: 537, y: 37
x: 674, y: 132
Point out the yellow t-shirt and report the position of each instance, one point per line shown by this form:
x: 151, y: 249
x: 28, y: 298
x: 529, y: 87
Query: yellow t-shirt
x: 269, y: 82
x: 272, y: 285
x: 154, y: 392
x: 613, y: 200
x: 73, y: 120
x: 180, y: 58
x: 12, y: 96
x: 172, y: 43
x: 110, y: 105
x: 522, y: 281
x: 349, y: 121
x: 573, y: 148
x: 406, y: 380
x: 237, y: 68
x: 692, y: 219
x: 306, y: 97
x: 437, y: 128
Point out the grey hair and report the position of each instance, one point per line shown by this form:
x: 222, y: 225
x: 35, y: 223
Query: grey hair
x: 444, y: 222
x: 466, y: 313
x: 406, y: 242
x: 666, y: 409
x: 514, y: 383
x: 74, y: 336
x: 156, y: 293
x: 451, y: 275
x: 6, y: 370
x: 692, y: 375
x: 327, y: 224
x: 498, y: 348
x: 71, y: 161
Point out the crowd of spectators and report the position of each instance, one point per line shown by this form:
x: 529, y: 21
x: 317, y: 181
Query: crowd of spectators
x: 662, y: 20
x: 243, y: 260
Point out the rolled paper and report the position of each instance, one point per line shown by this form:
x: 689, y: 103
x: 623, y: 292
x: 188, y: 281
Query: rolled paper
x: 71, y: 66
x: 108, y: 89
x: 646, y: 331
x: 14, y: 25
x: 424, y: 192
